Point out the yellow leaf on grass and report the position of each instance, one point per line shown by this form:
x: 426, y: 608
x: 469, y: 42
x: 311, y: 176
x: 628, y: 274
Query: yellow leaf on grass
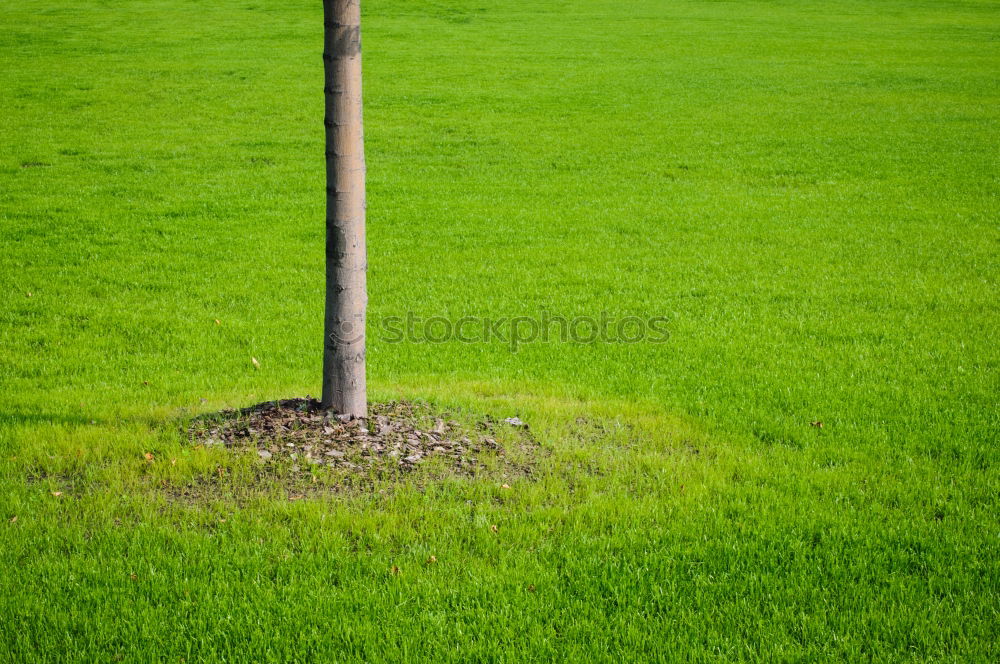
x: 149, y: 456
x: 256, y: 364
x: 56, y: 493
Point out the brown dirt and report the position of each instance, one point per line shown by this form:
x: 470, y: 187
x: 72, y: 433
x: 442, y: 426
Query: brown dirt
x: 296, y: 435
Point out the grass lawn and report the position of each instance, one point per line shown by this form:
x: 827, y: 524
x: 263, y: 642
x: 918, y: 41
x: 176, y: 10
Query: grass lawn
x: 807, y: 191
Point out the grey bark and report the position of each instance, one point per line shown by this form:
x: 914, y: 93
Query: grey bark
x: 346, y: 261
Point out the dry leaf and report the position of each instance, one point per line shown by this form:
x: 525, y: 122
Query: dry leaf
x: 149, y: 457
x: 504, y: 486
x: 57, y: 493
x: 296, y: 497
x: 495, y: 528
x: 432, y: 560
x: 13, y: 519
x: 531, y: 587
x: 394, y: 570
x: 173, y: 462
x: 256, y: 364
x: 218, y: 322
x: 817, y: 424
x: 133, y: 577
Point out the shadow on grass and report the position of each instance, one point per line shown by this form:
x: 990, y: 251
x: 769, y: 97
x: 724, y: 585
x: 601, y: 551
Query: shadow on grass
x: 23, y: 418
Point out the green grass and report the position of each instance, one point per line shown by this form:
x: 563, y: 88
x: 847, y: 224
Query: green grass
x: 807, y: 191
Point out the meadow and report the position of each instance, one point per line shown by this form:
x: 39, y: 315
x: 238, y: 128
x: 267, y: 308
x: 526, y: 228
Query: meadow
x: 806, y: 192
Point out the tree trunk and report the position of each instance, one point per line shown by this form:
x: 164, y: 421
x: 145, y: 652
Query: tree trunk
x: 346, y: 262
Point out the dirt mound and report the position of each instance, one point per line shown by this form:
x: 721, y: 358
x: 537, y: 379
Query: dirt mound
x: 397, y: 436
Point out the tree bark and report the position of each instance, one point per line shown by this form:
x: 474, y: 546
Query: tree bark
x: 346, y: 261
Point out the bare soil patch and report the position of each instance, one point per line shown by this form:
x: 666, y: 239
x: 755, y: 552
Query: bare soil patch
x: 297, y: 443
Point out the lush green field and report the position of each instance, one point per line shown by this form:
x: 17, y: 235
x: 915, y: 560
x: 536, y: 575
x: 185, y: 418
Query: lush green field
x: 807, y: 191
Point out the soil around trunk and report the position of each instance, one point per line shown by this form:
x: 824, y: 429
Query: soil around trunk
x: 296, y: 438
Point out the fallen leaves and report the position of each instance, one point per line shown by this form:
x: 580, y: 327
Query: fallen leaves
x: 56, y: 493
x: 494, y: 528
x: 297, y: 496
x: 148, y: 456
x: 817, y: 424
x: 13, y: 519
x: 218, y: 322
x: 431, y: 560
x: 256, y: 364
x: 396, y: 435
x: 394, y: 570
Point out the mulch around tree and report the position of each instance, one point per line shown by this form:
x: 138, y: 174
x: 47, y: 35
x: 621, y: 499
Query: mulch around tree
x: 300, y: 438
